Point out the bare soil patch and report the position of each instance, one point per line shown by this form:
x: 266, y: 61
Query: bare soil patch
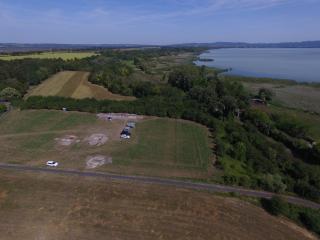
x: 97, y: 139
x: 67, y: 140
x: 97, y: 161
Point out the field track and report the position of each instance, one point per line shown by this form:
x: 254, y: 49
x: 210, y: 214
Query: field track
x: 163, y: 181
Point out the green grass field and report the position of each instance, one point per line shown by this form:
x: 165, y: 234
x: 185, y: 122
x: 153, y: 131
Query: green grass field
x: 50, y: 55
x: 159, y: 147
x: 163, y: 143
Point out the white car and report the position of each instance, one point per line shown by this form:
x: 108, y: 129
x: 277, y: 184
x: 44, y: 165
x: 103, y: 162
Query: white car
x: 52, y: 164
x: 125, y: 136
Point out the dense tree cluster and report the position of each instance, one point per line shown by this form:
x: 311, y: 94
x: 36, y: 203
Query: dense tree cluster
x: 20, y: 74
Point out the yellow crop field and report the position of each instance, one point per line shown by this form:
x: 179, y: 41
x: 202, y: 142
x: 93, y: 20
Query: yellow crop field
x: 75, y: 85
x: 49, y: 55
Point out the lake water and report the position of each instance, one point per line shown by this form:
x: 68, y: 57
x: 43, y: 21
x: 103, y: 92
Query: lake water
x: 300, y: 64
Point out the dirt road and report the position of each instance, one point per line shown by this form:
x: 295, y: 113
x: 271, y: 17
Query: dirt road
x: 163, y: 181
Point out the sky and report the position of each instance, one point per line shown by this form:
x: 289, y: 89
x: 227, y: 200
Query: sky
x: 158, y: 21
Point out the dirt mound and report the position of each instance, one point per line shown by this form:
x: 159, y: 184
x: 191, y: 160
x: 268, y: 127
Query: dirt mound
x: 97, y: 139
x: 97, y: 161
x: 67, y: 140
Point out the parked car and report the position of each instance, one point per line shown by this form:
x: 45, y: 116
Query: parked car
x: 125, y: 136
x: 52, y: 164
x: 127, y: 129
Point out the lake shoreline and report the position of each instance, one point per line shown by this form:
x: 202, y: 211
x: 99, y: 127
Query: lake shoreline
x: 224, y: 61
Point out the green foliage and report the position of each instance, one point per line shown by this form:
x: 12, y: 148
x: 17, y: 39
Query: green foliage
x: 273, y: 183
x: 265, y: 94
x: 20, y: 74
x: 260, y: 119
x: 276, y: 205
x: 3, y: 108
x: 311, y: 220
x: 290, y: 125
x: 186, y: 77
x: 308, y: 217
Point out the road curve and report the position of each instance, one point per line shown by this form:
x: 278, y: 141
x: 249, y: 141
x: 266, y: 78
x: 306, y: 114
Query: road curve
x: 163, y: 181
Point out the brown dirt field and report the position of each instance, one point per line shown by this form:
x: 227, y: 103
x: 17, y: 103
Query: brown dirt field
x: 73, y: 84
x: 40, y: 206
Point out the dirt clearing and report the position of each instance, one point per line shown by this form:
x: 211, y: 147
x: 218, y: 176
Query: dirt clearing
x: 67, y: 140
x: 97, y: 161
x: 97, y: 139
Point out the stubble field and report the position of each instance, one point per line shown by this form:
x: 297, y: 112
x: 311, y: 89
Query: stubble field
x: 41, y: 206
x: 75, y: 85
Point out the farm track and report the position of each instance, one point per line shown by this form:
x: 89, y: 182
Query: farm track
x: 38, y: 133
x: 162, y: 181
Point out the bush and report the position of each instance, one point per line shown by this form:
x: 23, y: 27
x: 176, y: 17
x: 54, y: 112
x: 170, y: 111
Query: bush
x: 3, y: 108
x: 311, y: 221
x: 272, y: 183
x: 275, y: 206
x: 265, y: 94
x: 10, y: 93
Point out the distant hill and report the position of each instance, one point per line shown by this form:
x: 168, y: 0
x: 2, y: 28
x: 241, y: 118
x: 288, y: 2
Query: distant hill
x: 305, y: 44
x: 25, y: 47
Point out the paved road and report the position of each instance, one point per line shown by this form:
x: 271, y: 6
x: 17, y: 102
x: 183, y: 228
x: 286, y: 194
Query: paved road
x: 162, y: 181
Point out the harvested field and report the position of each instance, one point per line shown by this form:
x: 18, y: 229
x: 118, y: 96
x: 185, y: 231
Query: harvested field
x: 60, y: 207
x: 50, y: 55
x: 75, y: 85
